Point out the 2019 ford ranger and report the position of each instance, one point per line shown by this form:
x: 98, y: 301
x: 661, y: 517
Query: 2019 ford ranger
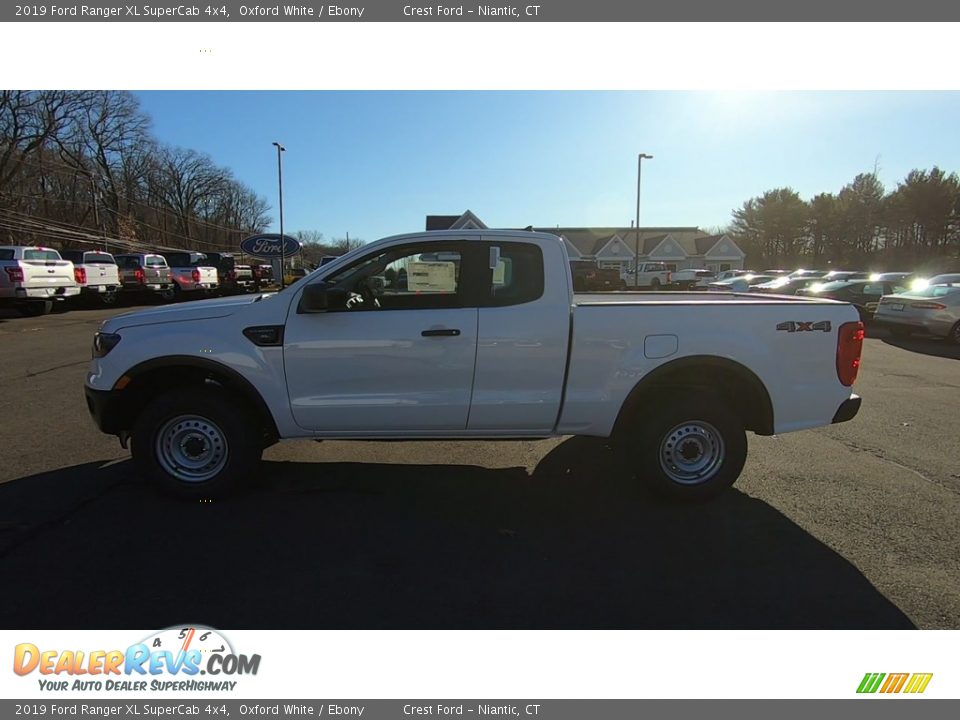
x: 470, y: 335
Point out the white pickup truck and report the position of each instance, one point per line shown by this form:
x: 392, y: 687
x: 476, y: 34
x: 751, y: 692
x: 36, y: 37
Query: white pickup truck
x: 470, y: 335
x: 191, y: 273
x: 652, y: 275
x: 96, y: 274
x: 32, y: 279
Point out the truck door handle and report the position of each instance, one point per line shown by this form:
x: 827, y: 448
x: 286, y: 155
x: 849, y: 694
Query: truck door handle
x: 444, y: 332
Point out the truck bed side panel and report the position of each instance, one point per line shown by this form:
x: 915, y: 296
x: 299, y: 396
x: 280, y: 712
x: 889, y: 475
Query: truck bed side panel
x: 616, y: 345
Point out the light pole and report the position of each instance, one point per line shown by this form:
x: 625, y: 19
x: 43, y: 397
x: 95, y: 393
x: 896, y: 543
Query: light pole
x: 283, y: 243
x: 636, y: 255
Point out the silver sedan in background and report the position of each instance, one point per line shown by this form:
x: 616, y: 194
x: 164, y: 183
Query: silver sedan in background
x: 934, y: 310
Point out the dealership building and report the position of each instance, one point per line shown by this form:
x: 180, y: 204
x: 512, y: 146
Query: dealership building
x: 615, y: 247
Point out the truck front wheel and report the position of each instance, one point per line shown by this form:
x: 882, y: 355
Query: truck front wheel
x: 690, y: 448
x: 196, y: 442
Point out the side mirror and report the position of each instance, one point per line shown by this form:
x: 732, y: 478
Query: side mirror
x: 320, y: 297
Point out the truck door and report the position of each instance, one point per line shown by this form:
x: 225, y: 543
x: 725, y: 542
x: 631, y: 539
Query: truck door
x: 524, y: 328
x: 399, y: 359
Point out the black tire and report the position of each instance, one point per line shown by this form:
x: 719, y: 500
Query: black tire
x: 954, y: 335
x: 222, y: 430
x: 676, y: 424
x: 168, y: 295
x: 108, y: 298
x: 34, y: 309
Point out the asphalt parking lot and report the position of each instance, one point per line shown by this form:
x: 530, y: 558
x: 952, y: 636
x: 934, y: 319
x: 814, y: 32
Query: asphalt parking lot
x: 850, y: 526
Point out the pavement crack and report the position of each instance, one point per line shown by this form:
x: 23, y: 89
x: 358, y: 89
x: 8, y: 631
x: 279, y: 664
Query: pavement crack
x: 880, y: 455
x: 57, y: 367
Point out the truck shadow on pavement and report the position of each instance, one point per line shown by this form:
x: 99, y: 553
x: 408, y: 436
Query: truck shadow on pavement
x: 351, y: 545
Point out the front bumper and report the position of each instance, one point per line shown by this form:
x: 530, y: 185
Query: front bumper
x: 106, y: 409
x: 848, y: 409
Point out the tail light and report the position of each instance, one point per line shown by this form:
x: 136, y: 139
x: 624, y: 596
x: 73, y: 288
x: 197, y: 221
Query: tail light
x: 195, y: 275
x: 15, y: 273
x: 669, y: 277
x: 80, y: 275
x: 928, y: 306
x: 849, y: 347
x: 139, y: 276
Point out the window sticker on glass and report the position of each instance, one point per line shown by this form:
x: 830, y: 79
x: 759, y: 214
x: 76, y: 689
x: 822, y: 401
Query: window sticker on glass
x: 431, y: 277
x: 500, y: 273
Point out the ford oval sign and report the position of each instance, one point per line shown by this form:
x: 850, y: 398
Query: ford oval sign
x: 270, y: 246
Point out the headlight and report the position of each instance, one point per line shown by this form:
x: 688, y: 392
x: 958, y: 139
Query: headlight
x: 104, y: 343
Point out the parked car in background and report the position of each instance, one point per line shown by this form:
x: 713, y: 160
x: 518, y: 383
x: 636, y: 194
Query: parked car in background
x: 921, y: 282
x: 837, y: 275
x: 233, y: 277
x: 862, y: 294
x: 740, y: 283
x: 263, y: 277
x: 786, y: 285
x: 652, y: 276
x: 587, y: 277
x: 803, y: 272
x: 693, y: 279
x: 96, y: 273
x: 144, y: 274
x: 192, y: 274
x: 32, y: 278
x: 903, y: 278
x: 729, y: 274
x: 933, y: 310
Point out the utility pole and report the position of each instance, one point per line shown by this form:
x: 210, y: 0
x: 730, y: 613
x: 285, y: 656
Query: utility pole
x: 636, y: 257
x: 283, y: 240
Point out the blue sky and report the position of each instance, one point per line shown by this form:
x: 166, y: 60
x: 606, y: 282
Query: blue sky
x: 375, y: 163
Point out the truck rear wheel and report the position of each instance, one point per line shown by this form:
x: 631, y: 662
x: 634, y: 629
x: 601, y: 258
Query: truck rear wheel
x: 38, y: 307
x: 691, y: 448
x: 196, y: 443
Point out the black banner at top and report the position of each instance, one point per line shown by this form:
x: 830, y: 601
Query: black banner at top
x: 470, y: 11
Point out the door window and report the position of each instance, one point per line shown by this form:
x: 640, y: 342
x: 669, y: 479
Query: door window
x: 410, y: 277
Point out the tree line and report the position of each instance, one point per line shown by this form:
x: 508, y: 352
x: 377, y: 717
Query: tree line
x: 76, y: 166
x: 915, y: 224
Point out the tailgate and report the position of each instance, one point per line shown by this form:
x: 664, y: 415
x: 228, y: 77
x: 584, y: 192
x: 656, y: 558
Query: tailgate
x: 47, y: 273
x: 244, y: 272
x: 102, y: 274
x: 208, y: 275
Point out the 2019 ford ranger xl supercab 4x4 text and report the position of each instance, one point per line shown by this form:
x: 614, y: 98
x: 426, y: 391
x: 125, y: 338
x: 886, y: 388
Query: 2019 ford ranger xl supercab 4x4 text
x: 470, y: 335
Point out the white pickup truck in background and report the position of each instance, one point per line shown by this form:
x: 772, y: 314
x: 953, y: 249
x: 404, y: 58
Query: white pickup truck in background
x: 470, y: 335
x: 96, y: 273
x: 32, y: 279
x: 651, y: 275
x: 191, y: 272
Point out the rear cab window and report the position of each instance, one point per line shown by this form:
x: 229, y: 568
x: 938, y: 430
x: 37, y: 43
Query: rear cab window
x: 518, y: 276
x: 99, y: 258
x: 156, y: 261
x: 42, y: 255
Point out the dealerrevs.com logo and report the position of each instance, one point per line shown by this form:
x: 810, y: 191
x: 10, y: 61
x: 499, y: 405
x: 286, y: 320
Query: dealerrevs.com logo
x: 171, y: 659
x: 910, y: 683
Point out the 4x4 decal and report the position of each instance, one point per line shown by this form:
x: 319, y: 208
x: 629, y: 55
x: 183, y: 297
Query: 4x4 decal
x: 791, y: 326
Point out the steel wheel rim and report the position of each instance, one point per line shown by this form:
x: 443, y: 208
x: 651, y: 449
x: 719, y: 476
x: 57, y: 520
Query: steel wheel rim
x: 691, y: 452
x: 191, y: 448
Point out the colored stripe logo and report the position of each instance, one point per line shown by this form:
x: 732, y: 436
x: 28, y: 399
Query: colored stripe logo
x: 913, y: 683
